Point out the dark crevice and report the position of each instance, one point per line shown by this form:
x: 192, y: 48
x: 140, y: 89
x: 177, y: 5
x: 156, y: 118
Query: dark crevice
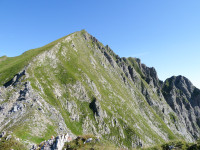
x: 94, y: 107
x: 14, y: 80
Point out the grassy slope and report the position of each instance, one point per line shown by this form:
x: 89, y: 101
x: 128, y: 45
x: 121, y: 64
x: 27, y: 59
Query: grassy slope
x: 68, y: 74
x: 11, y: 144
x: 178, y: 145
x: 10, y: 66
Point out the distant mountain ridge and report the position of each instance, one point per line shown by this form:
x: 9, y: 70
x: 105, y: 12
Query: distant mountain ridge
x: 78, y: 86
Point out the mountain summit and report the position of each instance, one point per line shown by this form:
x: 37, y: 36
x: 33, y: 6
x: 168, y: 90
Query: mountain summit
x: 77, y: 86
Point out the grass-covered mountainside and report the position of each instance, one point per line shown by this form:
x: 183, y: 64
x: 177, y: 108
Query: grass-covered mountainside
x: 76, y: 85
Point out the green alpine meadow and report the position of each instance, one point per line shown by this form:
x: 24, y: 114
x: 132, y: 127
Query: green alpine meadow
x: 76, y: 93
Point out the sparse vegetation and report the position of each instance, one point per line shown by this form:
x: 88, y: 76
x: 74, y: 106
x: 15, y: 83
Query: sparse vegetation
x: 11, y: 144
x: 175, y: 145
x: 95, y: 144
x: 173, y: 117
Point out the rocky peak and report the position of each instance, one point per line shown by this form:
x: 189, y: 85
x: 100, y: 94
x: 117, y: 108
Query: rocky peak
x: 180, y: 83
x: 183, y: 98
x: 150, y: 75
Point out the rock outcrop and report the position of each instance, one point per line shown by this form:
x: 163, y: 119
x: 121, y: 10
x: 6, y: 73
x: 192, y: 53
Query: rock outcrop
x: 53, y: 143
x: 183, y: 98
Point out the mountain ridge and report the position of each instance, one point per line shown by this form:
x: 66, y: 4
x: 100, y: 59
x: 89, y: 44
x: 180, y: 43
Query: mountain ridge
x: 79, y: 86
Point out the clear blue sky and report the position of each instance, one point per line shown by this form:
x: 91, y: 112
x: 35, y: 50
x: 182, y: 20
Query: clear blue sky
x: 164, y: 34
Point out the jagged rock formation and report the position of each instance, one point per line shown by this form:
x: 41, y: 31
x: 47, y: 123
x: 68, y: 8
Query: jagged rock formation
x: 53, y: 143
x: 183, y: 98
x: 76, y: 85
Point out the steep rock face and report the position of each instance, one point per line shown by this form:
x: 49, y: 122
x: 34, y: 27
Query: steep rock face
x: 27, y: 114
x: 183, y: 98
x: 146, y: 81
x: 77, y: 85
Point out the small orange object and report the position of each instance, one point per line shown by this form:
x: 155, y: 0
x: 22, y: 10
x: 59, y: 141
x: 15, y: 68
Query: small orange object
x: 69, y: 139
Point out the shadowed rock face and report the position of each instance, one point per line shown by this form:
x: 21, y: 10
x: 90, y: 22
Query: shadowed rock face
x: 15, y: 79
x: 76, y: 85
x: 96, y: 107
